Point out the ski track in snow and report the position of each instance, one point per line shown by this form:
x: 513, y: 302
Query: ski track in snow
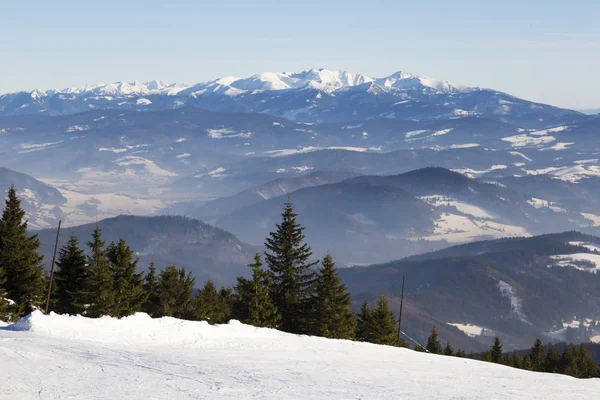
x: 139, y: 358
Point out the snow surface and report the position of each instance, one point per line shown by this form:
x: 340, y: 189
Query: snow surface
x: 470, y: 329
x: 137, y: 357
x: 592, y: 217
x: 581, y: 261
x: 455, y: 228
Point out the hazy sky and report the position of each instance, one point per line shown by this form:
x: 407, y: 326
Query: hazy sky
x: 547, y: 51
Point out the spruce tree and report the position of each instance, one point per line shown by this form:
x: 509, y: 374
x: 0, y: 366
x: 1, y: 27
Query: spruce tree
x: 25, y: 283
x: 208, y: 305
x: 4, y: 306
x: 252, y: 302
x: 364, y: 329
x: 527, y: 364
x: 461, y: 353
x: 333, y: 318
x: 552, y: 360
x: 383, y: 324
x: 226, y: 304
x: 99, y: 293
x: 128, y: 285
x: 151, y: 306
x: 586, y: 366
x: 174, y: 293
x: 70, y: 279
x: 515, y: 360
x: 496, y: 351
x: 292, y: 280
x: 433, y: 343
x: 448, y: 350
x: 538, y: 356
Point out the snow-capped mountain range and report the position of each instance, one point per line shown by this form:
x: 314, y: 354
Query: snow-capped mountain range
x: 315, y: 95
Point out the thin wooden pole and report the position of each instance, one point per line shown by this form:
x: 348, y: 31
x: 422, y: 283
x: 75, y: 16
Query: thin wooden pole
x: 52, y: 269
x: 400, y: 315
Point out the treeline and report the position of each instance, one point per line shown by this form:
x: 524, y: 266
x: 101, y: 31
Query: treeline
x: 285, y: 291
x: 571, y: 360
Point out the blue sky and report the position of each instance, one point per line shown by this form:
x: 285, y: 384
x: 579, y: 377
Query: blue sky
x: 547, y: 51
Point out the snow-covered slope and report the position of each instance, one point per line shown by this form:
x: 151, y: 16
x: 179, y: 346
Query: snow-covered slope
x: 139, y: 358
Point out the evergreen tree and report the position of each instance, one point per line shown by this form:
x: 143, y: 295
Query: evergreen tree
x: 515, y: 360
x: 538, y: 356
x: 252, y: 302
x: 4, y: 306
x: 364, y: 330
x: 174, y: 293
x: 99, y: 293
x: 433, y: 343
x: 333, y: 318
x: 151, y: 306
x: 552, y: 359
x: 527, y: 364
x: 448, y: 350
x: 19, y: 260
x: 226, y: 304
x: 383, y: 324
x: 292, y: 280
x: 486, y: 356
x: 208, y: 305
x: 461, y: 353
x: 496, y: 351
x: 70, y: 279
x: 567, y: 364
x: 128, y: 285
x: 586, y: 367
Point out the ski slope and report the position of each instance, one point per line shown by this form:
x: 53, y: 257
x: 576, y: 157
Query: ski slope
x: 60, y: 357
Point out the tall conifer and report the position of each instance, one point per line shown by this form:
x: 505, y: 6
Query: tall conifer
x: 332, y: 315
x: 383, y: 323
x: 174, y: 292
x: 70, y: 279
x: 293, y: 282
x: 253, y: 304
x: 128, y: 284
x: 19, y: 260
x: 100, y: 289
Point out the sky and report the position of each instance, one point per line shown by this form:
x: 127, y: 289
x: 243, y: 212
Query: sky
x: 546, y: 51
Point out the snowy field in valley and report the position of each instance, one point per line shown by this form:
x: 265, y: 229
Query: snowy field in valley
x: 58, y: 357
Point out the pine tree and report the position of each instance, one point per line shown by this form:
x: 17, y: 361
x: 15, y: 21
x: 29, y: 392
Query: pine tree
x: 461, y: 353
x: 515, y: 360
x: 174, y: 293
x: 225, y: 304
x: 527, y: 364
x: 433, y: 344
x: 333, y: 318
x: 4, y: 306
x: 70, y: 279
x: 538, y: 356
x: 25, y: 283
x: 99, y: 293
x: 208, y: 305
x: 383, y: 324
x: 496, y: 351
x: 364, y: 329
x: 151, y: 306
x: 128, y: 285
x: 252, y: 302
x: 552, y: 360
x: 448, y: 350
x: 292, y: 280
x: 586, y: 366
